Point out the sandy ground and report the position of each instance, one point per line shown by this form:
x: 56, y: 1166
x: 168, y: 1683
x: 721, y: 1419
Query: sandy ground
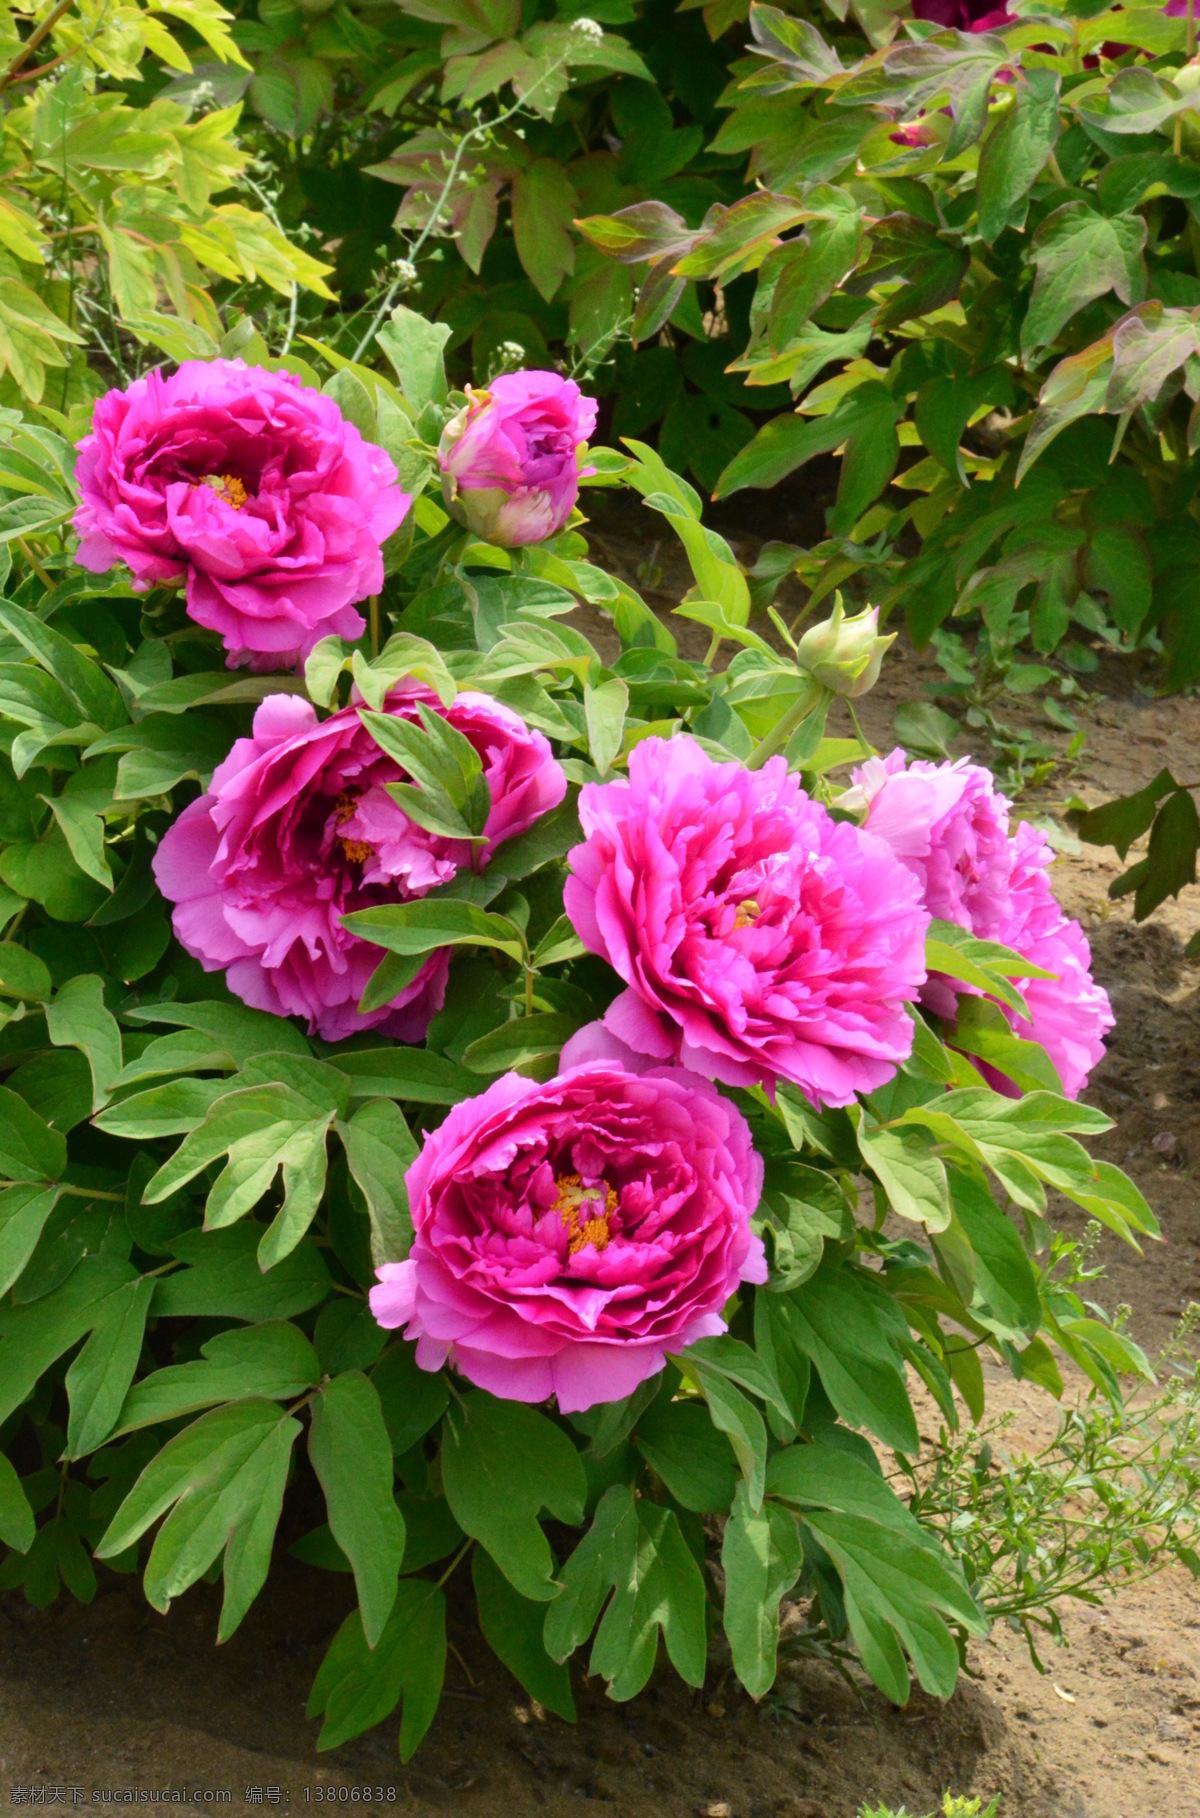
x: 97, y: 1701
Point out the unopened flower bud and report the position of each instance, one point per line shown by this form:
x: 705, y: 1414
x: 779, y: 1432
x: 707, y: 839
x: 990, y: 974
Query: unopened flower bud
x: 843, y: 654
x: 588, y: 30
x: 510, y: 459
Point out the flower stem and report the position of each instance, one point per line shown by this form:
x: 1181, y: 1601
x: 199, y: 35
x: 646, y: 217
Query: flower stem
x: 373, y: 608
x: 776, y: 740
x: 41, y: 573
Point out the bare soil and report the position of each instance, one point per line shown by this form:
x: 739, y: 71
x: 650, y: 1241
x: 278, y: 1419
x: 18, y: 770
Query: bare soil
x: 96, y: 1702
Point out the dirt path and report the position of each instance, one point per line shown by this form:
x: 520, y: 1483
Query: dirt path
x: 114, y: 1697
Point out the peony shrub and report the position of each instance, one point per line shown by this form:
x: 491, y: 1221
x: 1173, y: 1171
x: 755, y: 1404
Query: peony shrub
x: 479, y: 1080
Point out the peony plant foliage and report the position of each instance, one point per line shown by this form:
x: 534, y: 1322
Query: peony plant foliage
x: 545, y: 1097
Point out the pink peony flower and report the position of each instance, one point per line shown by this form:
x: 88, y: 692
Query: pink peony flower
x: 251, y: 487
x: 964, y: 15
x: 510, y: 459
x: 949, y: 825
x: 570, y: 1235
x: 298, y: 830
x: 759, y: 939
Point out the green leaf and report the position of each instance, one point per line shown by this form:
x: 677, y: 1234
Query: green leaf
x: 261, y: 1129
x: 544, y: 204
x: 512, y: 1627
x: 1014, y: 154
x: 35, y: 1335
x: 560, y: 942
x: 273, y: 1360
x: 502, y: 1463
x: 84, y: 681
x: 17, y: 1525
x: 413, y: 1074
x: 982, y: 1029
x: 352, y: 1455
x: 29, y: 1149
x: 452, y: 795
x: 604, y: 708
x: 695, y: 1461
x: 1081, y: 255
x: 77, y: 1018
x: 23, y: 1214
x: 426, y: 925
x: 23, y: 974
x: 865, y: 421
x: 224, y: 1280
x: 637, y: 1551
x: 414, y: 347
x: 909, y: 1171
x: 520, y: 1041
x: 900, y: 1587
x: 1126, y: 819
x: 356, y: 1688
x: 223, y: 1479
x: 380, y: 1149
x: 761, y: 1556
x: 985, y: 964
x: 548, y: 839
x: 168, y: 1110
x: 100, y: 1375
x: 244, y: 1032
x: 852, y: 1329
x: 1006, y: 1282
x: 413, y: 1400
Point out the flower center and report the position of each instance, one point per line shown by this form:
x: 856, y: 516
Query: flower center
x: 479, y: 400
x: 357, y: 851
x: 748, y: 913
x: 585, y: 1212
x: 227, y: 486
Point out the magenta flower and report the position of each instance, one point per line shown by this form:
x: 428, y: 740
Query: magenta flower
x: 298, y: 830
x: 964, y: 15
x: 250, y: 487
x: 949, y: 825
x: 570, y: 1235
x: 759, y: 939
x: 510, y: 459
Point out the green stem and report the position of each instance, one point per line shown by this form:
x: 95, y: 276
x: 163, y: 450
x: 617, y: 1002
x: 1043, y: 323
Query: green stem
x: 373, y: 609
x: 41, y: 573
x: 92, y: 1193
x: 463, y: 1550
x: 776, y: 740
x: 478, y: 131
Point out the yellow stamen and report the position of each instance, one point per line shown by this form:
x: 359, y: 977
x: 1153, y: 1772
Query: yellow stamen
x: 357, y: 851
x: 747, y: 913
x: 228, y: 487
x: 572, y: 1199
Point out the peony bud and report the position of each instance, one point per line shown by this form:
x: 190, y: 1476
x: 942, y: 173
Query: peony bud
x: 510, y: 458
x: 843, y: 654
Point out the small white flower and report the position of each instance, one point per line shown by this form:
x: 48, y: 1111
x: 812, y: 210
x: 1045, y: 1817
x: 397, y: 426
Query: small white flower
x: 404, y: 273
x: 588, y: 30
